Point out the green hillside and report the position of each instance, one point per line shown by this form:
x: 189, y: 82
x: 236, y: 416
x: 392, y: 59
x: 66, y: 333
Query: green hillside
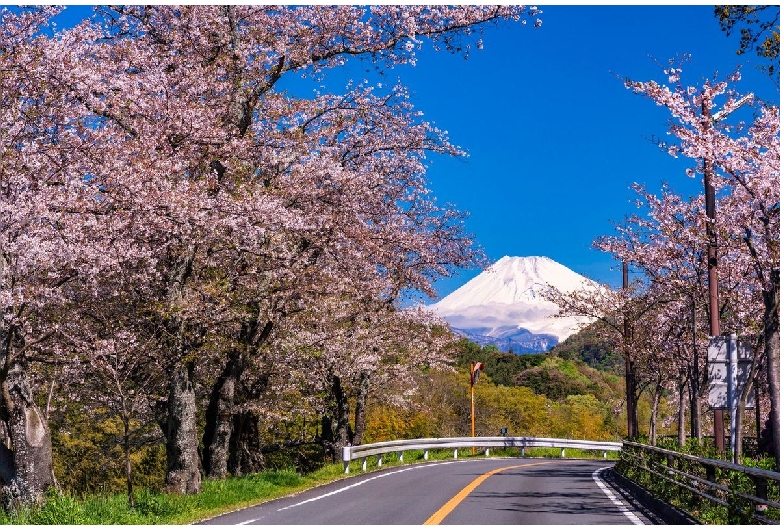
x: 587, y: 347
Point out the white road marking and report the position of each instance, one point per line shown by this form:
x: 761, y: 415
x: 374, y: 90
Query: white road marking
x: 356, y: 484
x: 622, y: 507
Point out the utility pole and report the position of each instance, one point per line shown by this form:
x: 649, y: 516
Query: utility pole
x: 708, y: 121
x: 712, y: 262
x: 630, y: 383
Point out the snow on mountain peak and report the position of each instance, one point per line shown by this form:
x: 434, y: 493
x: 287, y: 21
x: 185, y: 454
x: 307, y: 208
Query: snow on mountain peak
x: 506, y: 299
x: 511, y: 280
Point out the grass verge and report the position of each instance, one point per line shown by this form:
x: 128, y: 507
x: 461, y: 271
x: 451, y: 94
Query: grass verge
x: 226, y: 495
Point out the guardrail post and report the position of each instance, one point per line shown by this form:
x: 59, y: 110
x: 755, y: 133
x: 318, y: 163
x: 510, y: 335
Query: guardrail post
x: 522, y: 451
x: 346, y: 456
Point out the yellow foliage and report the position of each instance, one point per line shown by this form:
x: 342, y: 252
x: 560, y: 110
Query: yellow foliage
x: 443, y: 409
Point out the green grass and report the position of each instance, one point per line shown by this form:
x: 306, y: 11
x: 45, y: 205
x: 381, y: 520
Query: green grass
x: 222, y: 496
x: 217, y: 496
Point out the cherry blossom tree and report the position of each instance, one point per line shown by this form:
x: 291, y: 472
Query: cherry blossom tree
x: 361, y: 353
x: 664, y: 244
x: 744, y: 158
x: 224, y: 204
x: 48, y: 247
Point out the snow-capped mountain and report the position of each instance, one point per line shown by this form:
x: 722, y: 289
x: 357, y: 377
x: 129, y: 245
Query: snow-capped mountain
x: 503, y: 305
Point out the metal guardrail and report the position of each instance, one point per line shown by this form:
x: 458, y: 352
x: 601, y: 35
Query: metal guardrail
x: 379, y: 449
x: 709, y: 479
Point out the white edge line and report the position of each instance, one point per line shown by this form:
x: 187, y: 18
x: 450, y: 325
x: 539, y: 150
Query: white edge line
x: 622, y: 507
x: 356, y: 484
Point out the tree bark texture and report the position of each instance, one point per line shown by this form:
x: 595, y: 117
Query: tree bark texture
x: 695, y: 394
x: 245, y: 454
x: 681, y: 415
x: 654, y: 413
x: 758, y: 412
x: 360, y: 408
x: 631, y: 400
x: 224, y: 395
x: 26, y: 468
x: 219, y: 418
x: 741, y: 406
x: 695, y: 386
x: 183, y: 474
x: 772, y: 352
x: 128, y: 461
x: 336, y: 432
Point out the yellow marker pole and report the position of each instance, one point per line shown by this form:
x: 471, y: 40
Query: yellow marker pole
x: 472, y: 405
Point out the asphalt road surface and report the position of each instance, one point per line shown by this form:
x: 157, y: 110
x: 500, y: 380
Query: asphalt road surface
x: 499, y: 491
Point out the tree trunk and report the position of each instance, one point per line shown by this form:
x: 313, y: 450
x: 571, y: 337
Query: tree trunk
x: 26, y: 465
x: 360, y: 408
x: 222, y: 401
x: 219, y: 418
x: 630, y: 404
x: 336, y: 430
x: 128, y: 462
x: 742, y: 404
x: 181, y: 448
x: 654, y: 412
x: 245, y: 455
x: 694, y: 391
x: 631, y: 397
x: 694, y: 380
x: 681, y: 414
x: 772, y: 352
x: 696, y: 430
x: 326, y: 437
x: 758, y: 413
x: 344, y: 431
x: 182, y: 441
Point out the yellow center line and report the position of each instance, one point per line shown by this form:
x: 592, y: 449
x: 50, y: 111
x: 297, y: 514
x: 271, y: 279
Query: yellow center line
x: 445, y: 510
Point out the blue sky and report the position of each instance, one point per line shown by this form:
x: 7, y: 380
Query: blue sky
x: 554, y: 138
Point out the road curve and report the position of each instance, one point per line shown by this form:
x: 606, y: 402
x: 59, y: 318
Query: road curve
x: 485, y: 491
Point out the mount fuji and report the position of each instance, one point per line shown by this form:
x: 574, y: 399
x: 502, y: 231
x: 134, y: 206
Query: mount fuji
x: 503, y: 305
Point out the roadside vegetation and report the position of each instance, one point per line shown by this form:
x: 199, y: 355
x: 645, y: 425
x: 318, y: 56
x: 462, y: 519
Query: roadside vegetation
x: 89, y: 460
x: 221, y: 496
x: 699, y: 507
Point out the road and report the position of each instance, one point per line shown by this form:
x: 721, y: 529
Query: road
x: 486, y: 491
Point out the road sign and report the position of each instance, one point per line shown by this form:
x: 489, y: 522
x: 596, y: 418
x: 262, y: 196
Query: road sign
x: 728, y: 367
x: 721, y: 364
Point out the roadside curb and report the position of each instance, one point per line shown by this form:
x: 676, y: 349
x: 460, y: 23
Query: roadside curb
x: 669, y: 513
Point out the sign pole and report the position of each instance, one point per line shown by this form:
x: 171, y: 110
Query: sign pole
x: 732, y: 391
x: 472, y: 405
x: 728, y: 366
